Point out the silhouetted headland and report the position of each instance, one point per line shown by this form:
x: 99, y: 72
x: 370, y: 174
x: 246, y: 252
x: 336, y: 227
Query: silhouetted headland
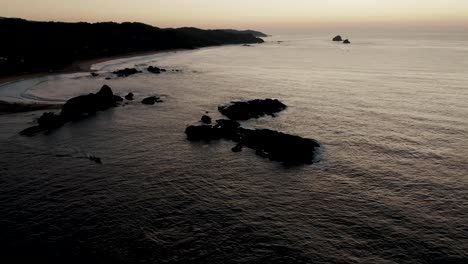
x: 30, y: 46
x: 257, y: 34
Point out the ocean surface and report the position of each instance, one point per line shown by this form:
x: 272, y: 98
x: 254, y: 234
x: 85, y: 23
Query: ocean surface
x: 390, y: 110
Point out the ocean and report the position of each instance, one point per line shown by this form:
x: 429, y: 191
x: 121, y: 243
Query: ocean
x: 391, y: 184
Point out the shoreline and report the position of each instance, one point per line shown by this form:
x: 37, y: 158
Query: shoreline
x: 76, y: 67
x: 79, y: 66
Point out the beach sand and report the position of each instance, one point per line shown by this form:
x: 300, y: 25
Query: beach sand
x: 78, y: 66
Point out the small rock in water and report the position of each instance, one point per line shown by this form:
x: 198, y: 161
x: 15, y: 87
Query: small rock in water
x: 206, y: 119
x: 151, y: 100
x: 129, y: 96
x: 237, y: 148
x: 338, y: 38
x: 95, y: 159
x: 94, y: 74
x: 346, y: 41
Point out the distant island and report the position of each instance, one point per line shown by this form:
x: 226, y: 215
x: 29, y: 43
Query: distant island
x: 31, y: 46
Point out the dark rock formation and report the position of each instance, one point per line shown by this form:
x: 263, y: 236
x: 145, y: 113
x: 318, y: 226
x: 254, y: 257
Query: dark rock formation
x: 237, y: 148
x: 129, y: 96
x: 338, y: 38
x: 91, y: 103
x: 154, y: 69
x: 251, y: 109
x: 151, y: 100
x: 206, y: 119
x: 126, y: 72
x: 74, y: 109
x: 47, y: 122
x: 108, y: 78
x: 346, y: 41
x: 270, y: 144
x: 202, y: 133
x: 95, y: 159
x: 50, y: 120
x: 94, y: 74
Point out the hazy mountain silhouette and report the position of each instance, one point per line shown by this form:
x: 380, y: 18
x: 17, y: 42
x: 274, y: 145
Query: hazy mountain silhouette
x: 30, y: 46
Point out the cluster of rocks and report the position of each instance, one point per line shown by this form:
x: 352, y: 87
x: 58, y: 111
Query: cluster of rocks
x: 131, y: 71
x: 126, y: 72
x: 80, y: 107
x: 274, y: 145
x: 155, y: 70
x: 245, y: 110
x: 340, y: 39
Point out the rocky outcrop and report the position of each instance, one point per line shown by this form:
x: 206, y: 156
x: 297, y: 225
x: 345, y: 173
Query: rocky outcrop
x: 47, y: 122
x: 75, y: 108
x: 151, y: 100
x: 91, y: 103
x: 94, y: 74
x: 155, y: 69
x: 338, y: 38
x: 274, y: 145
x: 129, y: 96
x: 126, y: 72
x: 245, y: 110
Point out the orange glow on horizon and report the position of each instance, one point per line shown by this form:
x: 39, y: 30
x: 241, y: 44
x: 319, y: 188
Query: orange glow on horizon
x: 262, y: 15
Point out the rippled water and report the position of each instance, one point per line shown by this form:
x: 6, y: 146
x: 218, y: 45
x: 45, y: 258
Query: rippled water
x: 392, y: 185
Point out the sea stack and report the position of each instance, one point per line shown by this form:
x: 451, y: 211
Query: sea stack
x: 346, y: 41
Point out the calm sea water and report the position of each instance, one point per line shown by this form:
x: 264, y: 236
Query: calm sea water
x: 391, y: 187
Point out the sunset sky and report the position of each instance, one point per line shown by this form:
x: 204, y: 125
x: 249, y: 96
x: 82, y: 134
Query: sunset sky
x: 258, y: 14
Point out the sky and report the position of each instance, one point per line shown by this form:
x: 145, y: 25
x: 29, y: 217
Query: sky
x: 269, y: 15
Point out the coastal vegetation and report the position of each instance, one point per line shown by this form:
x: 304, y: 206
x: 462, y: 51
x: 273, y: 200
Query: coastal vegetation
x: 31, y: 46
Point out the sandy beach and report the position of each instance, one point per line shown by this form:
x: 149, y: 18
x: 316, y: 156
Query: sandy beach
x: 78, y: 66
